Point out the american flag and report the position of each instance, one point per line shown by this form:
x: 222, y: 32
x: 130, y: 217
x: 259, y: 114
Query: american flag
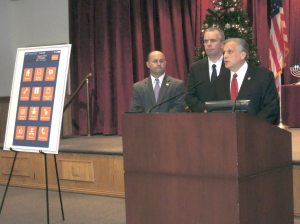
x: 278, y: 48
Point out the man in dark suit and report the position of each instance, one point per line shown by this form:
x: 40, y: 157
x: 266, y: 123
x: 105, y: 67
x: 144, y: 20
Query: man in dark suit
x: 247, y: 82
x: 204, y: 72
x: 155, y: 93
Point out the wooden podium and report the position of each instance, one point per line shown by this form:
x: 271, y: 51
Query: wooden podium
x: 210, y: 168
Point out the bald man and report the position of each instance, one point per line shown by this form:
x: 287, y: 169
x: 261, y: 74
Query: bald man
x: 154, y: 93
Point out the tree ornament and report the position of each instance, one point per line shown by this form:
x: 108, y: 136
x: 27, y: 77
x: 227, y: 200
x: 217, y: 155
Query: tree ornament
x: 227, y: 26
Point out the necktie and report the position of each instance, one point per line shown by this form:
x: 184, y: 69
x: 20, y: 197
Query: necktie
x: 213, y: 74
x: 156, y: 89
x: 234, y: 88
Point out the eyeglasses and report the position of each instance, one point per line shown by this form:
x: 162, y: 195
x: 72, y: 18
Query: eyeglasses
x: 210, y: 40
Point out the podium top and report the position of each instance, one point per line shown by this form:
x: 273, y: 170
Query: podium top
x: 230, y: 145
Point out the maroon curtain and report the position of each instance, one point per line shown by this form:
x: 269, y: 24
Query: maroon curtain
x: 111, y: 39
x: 258, y: 11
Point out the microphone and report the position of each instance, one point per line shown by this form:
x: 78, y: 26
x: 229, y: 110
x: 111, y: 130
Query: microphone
x: 174, y: 97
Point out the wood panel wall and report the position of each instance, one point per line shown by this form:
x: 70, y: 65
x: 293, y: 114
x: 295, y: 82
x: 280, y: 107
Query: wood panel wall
x: 83, y: 173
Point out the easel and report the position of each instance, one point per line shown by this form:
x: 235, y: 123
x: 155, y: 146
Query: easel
x: 40, y: 76
x: 46, y: 178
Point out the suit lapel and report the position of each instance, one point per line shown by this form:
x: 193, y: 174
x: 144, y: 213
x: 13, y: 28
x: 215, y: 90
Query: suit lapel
x: 206, y: 70
x: 246, y: 82
x: 224, y: 80
x: 164, y: 88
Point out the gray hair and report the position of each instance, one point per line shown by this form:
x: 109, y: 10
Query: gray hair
x: 243, y: 45
x: 214, y: 28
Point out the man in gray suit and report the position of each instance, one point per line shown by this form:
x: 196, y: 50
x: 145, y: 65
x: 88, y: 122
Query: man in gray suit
x: 158, y: 92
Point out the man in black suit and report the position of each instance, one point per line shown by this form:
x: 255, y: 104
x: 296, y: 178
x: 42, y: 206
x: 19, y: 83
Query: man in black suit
x: 204, y: 72
x: 154, y: 94
x: 247, y: 82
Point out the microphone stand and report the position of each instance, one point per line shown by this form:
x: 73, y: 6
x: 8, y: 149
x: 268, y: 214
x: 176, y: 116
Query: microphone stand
x: 234, y: 106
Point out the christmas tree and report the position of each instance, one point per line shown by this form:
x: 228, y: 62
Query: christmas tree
x: 228, y: 15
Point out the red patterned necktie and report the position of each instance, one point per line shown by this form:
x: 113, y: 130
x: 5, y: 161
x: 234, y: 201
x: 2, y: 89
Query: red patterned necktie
x: 234, y: 88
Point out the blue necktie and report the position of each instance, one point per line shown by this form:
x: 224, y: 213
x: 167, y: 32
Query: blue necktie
x: 213, y: 74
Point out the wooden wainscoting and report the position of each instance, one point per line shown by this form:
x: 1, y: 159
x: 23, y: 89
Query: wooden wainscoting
x: 296, y: 186
x: 83, y: 173
x: 296, y: 170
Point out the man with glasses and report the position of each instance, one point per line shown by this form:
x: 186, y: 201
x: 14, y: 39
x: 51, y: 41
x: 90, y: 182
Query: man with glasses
x: 203, y: 73
x: 247, y: 82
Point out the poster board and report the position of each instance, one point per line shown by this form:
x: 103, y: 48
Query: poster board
x: 37, y: 99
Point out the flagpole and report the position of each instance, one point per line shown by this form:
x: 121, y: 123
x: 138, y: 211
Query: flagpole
x: 280, y: 125
x: 278, y: 48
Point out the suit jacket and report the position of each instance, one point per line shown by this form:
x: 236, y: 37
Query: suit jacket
x: 259, y: 87
x: 143, y: 99
x: 200, y: 89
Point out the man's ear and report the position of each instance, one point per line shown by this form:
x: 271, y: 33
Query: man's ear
x: 243, y: 55
x: 147, y: 64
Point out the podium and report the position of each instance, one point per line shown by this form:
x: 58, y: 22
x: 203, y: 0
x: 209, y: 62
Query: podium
x: 209, y: 168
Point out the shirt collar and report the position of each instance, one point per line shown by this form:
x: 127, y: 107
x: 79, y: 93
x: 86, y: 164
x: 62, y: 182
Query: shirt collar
x: 242, y: 71
x: 161, y: 78
x: 218, y: 63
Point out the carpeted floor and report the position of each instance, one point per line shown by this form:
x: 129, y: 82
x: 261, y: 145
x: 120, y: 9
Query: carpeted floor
x: 28, y: 206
